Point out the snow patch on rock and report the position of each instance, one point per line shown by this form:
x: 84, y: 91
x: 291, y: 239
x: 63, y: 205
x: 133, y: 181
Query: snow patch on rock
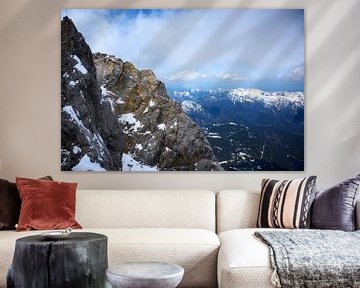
x: 162, y: 126
x: 130, y: 164
x: 85, y: 164
x: 79, y: 66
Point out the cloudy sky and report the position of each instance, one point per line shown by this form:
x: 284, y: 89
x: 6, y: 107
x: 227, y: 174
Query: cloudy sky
x: 203, y: 48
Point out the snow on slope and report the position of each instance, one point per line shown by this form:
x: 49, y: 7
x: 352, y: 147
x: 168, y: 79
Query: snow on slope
x: 130, y: 120
x: 85, y: 164
x: 270, y: 99
x: 79, y: 66
x: 110, y: 97
x: 191, y: 106
x: 130, y: 164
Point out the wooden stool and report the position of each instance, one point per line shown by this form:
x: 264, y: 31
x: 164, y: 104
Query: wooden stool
x: 78, y: 261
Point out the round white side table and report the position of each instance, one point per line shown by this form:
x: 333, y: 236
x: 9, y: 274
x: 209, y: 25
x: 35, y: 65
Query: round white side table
x: 145, y: 275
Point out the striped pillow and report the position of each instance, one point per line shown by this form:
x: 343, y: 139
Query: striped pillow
x: 286, y: 204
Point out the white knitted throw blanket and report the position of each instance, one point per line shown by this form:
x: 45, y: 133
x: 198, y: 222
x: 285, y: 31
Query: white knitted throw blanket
x: 313, y: 258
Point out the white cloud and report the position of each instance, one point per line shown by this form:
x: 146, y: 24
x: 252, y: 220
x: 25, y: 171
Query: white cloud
x: 188, y: 44
x: 233, y: 77
x: 184, y: 75
x: 297, y: 73
x: 191, y: 75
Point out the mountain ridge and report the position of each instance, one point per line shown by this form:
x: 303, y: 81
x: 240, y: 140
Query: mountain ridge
x: 158, y: 131
x: 116, y: 117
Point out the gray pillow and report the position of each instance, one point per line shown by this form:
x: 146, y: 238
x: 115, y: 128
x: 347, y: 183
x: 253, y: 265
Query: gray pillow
x: 334, y: 208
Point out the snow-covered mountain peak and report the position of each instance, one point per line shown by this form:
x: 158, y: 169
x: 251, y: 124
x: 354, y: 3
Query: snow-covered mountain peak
x: 278, y: 99
x: 191, y: 106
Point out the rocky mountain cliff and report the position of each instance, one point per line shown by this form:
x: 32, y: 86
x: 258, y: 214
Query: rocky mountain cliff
x: 91, y: 137
x: 159, y: 134
x: 116, y: 117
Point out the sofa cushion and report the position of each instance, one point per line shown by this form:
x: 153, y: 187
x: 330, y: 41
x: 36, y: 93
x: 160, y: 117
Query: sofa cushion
x: 244, y: 261
x: 153, y: 209
x: 196, y: 250
x: 10, y: 204
x: 334, y: 208
x: 46, y: 204
x: 286, y: 204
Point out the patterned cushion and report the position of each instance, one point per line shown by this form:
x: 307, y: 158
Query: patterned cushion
x: 286, y: 204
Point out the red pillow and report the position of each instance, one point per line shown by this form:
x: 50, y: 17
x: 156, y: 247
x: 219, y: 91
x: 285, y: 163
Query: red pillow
x: 46, y: 204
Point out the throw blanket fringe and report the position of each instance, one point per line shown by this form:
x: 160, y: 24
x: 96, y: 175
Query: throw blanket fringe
x: 275, y: 280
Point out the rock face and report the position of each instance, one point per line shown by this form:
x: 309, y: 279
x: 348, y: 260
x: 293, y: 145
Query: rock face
x: 159, y: 135
x: 91, y: 137
x: 116, y: 117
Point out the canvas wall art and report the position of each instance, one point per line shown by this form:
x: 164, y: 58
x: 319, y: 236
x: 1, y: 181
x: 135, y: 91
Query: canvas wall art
x: 182, y: 90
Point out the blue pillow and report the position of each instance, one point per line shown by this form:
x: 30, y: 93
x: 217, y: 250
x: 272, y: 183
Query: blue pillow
x: 334, y: 208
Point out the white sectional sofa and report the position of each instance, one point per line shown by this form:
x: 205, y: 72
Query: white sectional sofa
x: 177, y: 226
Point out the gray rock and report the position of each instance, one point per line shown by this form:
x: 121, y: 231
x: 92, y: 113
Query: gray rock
x: 88, y: 124
x: 158, y: 132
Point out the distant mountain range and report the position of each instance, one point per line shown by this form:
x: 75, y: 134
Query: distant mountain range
x: 249, y: 129
x: 276, y: 100
x: 279, y: 109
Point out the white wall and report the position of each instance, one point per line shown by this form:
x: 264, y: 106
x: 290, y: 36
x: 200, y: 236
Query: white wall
x: 30, y: 95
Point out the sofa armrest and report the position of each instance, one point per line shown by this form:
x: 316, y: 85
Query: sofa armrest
x: 357, y: 215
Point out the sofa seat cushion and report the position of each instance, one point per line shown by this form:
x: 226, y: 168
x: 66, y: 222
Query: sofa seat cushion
x: 244, y: 261
x: 196, y: 250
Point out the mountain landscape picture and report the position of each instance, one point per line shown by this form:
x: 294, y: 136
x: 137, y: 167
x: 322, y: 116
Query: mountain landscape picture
x: 182, y: 90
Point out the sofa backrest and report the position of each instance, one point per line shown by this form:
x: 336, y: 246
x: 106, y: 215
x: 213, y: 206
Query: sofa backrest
x: 146, y: 209
x: 236, y: 209
x: 239, y: 209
